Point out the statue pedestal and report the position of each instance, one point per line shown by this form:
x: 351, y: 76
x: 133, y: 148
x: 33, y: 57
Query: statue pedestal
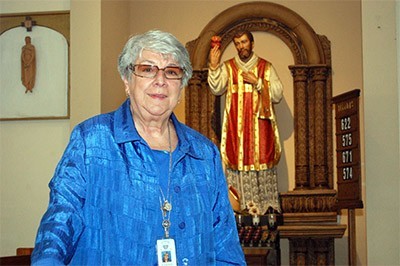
x: 310, y: 225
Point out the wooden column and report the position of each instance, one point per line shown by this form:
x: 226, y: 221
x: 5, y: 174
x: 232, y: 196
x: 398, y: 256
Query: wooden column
x: 300, y: 82
x: 201, y: 112
x: 319, y: 159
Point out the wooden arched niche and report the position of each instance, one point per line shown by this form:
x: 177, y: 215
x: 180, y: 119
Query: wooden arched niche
x: 311, y: 84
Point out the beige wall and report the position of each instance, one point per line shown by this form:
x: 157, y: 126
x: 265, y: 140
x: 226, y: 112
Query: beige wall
x: 85, y: 59
x: 30, y: 150
x: 381, y: 82
x: 114, y: 34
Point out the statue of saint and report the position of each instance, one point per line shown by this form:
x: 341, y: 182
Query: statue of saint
x: 28, y: 65
x: 250, y: 145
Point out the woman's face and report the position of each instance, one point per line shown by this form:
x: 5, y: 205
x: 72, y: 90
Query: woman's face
x: 154, y: 98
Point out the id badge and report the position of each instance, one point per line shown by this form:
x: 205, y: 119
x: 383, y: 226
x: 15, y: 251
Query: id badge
x: 166, y: 252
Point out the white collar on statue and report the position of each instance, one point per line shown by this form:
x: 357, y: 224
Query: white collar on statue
x: 246, y: 66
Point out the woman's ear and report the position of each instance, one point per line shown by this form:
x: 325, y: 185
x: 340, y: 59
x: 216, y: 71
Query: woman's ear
x: 126, y: 83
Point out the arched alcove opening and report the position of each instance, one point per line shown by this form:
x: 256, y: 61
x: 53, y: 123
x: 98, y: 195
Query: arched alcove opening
x: 49, y: 33
x: 311, y: 83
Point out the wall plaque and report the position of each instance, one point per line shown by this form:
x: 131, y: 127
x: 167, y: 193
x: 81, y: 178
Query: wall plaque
x: 34, y: 66
x: 348, y: 150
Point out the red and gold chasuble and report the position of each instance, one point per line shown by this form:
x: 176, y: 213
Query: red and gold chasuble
x: 250, y: 138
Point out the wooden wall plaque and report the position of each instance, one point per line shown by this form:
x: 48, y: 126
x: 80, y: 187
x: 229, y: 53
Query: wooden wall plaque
x: 348, y: 163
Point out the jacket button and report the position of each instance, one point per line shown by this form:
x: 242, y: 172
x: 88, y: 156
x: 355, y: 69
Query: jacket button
x: 182, y: 225
x: 177, y: 189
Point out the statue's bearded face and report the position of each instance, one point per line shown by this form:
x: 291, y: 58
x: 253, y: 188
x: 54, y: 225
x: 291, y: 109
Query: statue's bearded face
x: 244, y: 47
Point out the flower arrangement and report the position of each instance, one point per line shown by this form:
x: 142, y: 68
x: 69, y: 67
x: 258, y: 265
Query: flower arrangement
x: 253, y: 208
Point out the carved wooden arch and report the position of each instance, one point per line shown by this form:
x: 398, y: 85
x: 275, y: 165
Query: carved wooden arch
x: 311, y: 84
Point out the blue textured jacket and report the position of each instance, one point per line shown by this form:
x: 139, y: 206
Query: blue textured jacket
x: 105, y: 200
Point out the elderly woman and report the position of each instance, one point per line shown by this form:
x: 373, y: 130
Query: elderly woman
x: 136, y: 183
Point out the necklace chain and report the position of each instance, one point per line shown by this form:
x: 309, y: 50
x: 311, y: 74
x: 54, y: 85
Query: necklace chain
x: 166, y: 205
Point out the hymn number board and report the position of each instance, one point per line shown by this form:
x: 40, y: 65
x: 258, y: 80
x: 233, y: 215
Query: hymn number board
x: 348, y: 150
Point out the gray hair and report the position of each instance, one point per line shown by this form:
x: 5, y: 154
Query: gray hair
x: 159, y: 42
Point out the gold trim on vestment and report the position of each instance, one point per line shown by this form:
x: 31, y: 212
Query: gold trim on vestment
x: 242, y: 88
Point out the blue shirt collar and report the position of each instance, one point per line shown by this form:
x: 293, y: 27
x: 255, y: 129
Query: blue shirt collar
x: 125, y: 130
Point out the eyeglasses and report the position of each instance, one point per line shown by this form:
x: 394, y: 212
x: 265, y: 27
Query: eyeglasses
x: 150, y: 71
